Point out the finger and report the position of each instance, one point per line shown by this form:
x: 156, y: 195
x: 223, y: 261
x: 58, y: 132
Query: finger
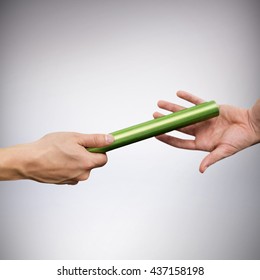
x: 100, y: 160
x: 165, y: 105
x: 175, y: 107
x: 84, y: 176
x: 95, y: 160
x: 189, y: 97
x: 157, y: 115
x: 68, y: 182
x: 72, y: 183
x: 177, y: 142
x: 216, y: 155
x: 95, y: 140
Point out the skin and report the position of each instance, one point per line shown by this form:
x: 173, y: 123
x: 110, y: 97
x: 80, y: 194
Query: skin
x: 232, y: 131
x: 57, y: 158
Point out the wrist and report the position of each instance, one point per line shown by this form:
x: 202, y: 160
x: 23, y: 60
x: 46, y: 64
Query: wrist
x: 254, y: 120
x: 13, y: 162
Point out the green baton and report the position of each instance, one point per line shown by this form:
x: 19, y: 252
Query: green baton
x: 161, y: 125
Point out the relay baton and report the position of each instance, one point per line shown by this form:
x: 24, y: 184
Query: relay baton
x: 161, y: 125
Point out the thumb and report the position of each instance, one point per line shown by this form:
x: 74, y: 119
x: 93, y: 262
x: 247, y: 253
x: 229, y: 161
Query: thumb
x: 95, y: 140
x: 216, y: 155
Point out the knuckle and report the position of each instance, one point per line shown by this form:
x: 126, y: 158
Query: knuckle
x: 93, y: 161
x: 101, y: 160
x: 84, y: 176
x: 98, y: 160
x: 104, y: 159
x: 95, y: 139
x: 99, y: 140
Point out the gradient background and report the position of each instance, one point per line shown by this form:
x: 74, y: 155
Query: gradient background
x: 99, y: 66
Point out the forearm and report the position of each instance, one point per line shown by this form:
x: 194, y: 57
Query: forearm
x: 254, y: 119
x: 12, y: 162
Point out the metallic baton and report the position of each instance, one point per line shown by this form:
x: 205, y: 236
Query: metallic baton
x: 161, y: 125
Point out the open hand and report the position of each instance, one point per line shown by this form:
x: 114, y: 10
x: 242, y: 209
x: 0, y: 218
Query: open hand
x: 233, y: 130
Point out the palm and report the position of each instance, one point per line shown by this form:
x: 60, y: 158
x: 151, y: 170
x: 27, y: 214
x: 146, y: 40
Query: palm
x: 229, y: 131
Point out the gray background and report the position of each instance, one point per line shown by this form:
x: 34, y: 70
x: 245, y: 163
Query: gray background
x: 98, y: 66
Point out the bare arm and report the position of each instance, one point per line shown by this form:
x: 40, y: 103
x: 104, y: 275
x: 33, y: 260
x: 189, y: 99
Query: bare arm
x: 58, y: 158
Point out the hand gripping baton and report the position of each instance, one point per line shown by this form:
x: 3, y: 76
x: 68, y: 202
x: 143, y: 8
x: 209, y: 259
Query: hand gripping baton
x: 161, y: 125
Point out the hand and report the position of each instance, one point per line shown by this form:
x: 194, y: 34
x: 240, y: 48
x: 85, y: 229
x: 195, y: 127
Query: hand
x: 233, y: 130
x: 58, y: 158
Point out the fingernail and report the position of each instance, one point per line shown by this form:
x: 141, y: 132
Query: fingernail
x: 109, y: 138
